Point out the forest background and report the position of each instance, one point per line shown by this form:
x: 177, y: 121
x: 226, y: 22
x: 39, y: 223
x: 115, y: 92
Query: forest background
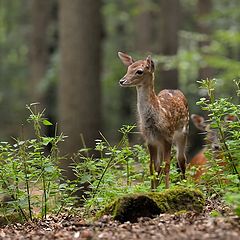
x: 63, y: 54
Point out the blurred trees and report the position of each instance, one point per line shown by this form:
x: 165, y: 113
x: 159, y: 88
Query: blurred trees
x: 187, y: 38
x: 79, y: 95
x: 14, y: 26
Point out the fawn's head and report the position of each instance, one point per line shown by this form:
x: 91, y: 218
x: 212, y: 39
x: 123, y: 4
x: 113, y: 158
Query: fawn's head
x: 212, y: 135
x: 138, y: 73
x: 212, y: 138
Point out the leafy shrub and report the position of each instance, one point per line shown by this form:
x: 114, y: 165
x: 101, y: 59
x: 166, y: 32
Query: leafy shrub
x: 30, y: 179
x: 224, y: 116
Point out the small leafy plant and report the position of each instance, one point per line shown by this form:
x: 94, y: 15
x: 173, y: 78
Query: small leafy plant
x: 30, y: 179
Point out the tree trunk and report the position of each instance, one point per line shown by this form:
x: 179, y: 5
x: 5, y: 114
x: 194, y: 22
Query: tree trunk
x: 145, y: 27
x: 170, y: 17
x: 39, y: 57
x: 204, y: 8
x: 126, y: 95
x: 79, y: 93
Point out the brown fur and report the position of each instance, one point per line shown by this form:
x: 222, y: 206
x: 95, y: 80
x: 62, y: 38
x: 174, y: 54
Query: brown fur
x: 199, y: 161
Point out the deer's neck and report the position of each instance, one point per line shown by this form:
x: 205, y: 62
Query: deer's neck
x: 146, y: 96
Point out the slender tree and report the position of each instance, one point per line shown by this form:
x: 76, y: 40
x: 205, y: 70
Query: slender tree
x: 145, y: 31
x: 204, y: 8
x: 79, y: 94
x: 39, y: 55
x: 170, y: 19
x: 126, y: 113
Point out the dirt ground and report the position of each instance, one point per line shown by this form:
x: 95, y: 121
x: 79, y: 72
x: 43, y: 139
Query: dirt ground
x: 189, y: 226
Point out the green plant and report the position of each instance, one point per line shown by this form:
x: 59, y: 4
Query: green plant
x: 116, y: 170
x: 234, y: 200
x: 30, y: 178
x: 223, y: 170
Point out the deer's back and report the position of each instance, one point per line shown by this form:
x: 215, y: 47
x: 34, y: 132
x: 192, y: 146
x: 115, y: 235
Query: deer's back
x: 175, y: 107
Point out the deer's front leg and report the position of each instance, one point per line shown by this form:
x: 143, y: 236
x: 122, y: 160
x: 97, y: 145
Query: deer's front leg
x: 167, y: 158
x: 153, y: 158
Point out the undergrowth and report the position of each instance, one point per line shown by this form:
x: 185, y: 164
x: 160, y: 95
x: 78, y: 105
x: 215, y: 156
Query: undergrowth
x: 222, y: 175
x: 120, y: 169
x: 32, y: 186
x: 30, y: 178
x: 123, y: 168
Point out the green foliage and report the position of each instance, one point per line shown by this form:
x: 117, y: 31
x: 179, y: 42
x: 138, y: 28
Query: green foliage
x: 234, y: 200
x: 119, y: 169
x: 30, y: 178
x: 215, y: 213
x: 223, y: 170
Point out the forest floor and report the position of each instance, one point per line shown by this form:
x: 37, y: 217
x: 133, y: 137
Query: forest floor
x: 189, y: 226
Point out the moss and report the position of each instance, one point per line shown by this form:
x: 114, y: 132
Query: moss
x: 133, y: 206
x: 179, y: 213
x: 178, y: 199
x: 9, y: 218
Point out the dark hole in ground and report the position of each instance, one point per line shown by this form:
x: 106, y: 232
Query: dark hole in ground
x: 134, y: 208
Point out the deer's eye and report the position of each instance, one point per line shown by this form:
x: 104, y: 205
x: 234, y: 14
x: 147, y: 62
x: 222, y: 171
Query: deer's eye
x: 139, y: 72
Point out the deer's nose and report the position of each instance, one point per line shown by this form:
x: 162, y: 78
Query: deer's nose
x: 121, y: 81
x: 216, y: 147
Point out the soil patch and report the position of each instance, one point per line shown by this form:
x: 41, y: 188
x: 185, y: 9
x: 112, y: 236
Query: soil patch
x: 190, y: 225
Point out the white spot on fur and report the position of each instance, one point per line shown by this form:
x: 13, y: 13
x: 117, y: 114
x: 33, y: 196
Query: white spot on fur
x: 164, y: 109
x: 170, y: 94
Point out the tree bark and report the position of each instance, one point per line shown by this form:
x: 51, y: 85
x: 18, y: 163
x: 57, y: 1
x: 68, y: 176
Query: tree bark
x: 204, y: 8
x: 145, y: 27
x: 79, y: 93
x: 170, y: 17
x: 39, y: 56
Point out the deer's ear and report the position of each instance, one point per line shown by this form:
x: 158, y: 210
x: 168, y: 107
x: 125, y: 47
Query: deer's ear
x: 126, y: 59
x: 150, y: 63
x: 199, y: 122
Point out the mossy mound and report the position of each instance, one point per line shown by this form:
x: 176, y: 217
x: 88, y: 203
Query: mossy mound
x: 133, y: 206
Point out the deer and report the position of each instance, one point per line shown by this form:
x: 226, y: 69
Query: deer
x: 163, y: 119
x: 199, y: 160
